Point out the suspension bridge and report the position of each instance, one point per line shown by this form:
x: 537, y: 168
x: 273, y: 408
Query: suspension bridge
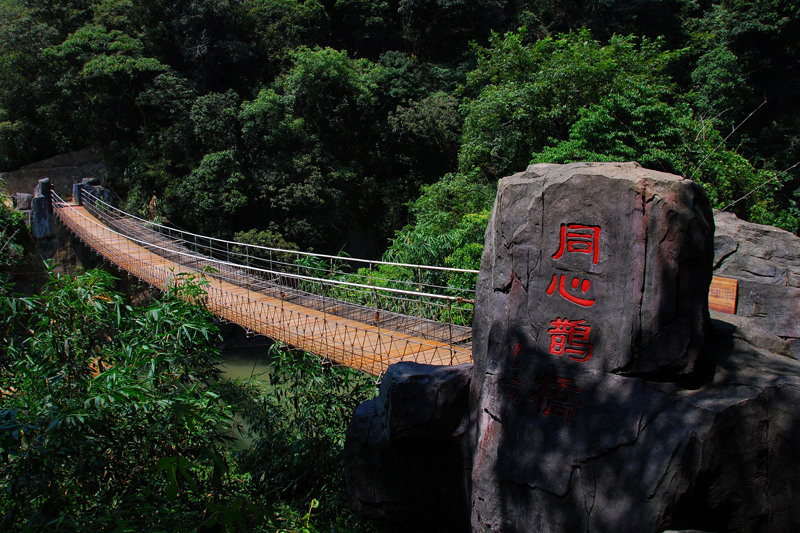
x: 359, y: 313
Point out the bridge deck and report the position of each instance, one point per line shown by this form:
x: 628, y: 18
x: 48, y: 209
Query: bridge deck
x: 369, y: 347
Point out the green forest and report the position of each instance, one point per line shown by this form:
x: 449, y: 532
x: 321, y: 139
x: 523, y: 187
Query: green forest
x: 382, y: 127
x: 376, y: 128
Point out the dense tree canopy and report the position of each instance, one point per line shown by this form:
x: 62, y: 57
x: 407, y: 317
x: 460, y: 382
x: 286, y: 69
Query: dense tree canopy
x: 320, y: 122
x: 369, y: 125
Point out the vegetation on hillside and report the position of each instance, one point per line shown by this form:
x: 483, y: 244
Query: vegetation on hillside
x: 321, y: 122
x: 315, y: 124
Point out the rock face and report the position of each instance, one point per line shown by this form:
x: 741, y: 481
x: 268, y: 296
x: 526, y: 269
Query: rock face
x: 62, y: 171
x: 603, y: 395
x: 612, y: 256
x: 406, y: 461
x: 717, y: 453
x: 766, y: 261
x: 22, y: 201
x: 590, y: 272
x: 754, y: 252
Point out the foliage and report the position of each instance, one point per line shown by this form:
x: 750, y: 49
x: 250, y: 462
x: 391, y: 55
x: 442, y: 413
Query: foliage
x: 15, y: 239
x: 322, y: 121
x: 300, y: 427
x: 638, y: 124
x: 531, y: 93
x: 328, y: 147
x: 99, y: 402
x: 114, y: 417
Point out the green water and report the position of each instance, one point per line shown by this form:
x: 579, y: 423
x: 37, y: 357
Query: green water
x: 242, y: 363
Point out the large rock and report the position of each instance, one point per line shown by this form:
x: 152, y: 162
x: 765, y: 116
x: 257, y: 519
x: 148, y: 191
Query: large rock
x: 406, y: 461
x: 612, y: 257
x: 766, y: 261
x: 715, y: 453
x: 22, y: 201
x: 616, y: 403
x: 589, y: 272
x: 755, y: 252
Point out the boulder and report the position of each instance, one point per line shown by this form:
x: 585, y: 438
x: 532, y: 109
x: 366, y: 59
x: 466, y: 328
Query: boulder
x: 766, y: 261
x: 22, y: 201
x: 406, y: 461
x: 604, y: 396
x: 755, y: 252
x: 606, y: 266
x: 715, y: 453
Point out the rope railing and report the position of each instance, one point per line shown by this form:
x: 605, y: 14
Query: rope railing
x: 424, y: 276
x: 435, y: 316
x: 282, y: 305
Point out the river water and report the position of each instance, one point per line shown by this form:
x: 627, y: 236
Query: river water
x: 242, y: 363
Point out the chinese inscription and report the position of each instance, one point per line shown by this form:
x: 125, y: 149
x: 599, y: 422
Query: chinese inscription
x: 722, y: 295
x: 569, y: 336
x: 585, y: 286
x: 557, y: 397
x: 577, y: 238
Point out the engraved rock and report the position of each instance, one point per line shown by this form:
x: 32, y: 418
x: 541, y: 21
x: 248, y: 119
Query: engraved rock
x: 611, y: 256
x: 603, y: 397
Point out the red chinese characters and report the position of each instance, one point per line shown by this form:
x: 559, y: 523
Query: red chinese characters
x: 578, y: 238
x: 557, y: 397
x: 562, y: 290
x: 570, y: 337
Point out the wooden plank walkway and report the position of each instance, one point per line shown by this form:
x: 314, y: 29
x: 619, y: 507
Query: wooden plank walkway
x: 368, y: 347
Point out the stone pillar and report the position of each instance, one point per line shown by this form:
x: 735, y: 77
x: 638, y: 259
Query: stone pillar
x: 76, y: 193
x: 591, y: 273
x: 42, y: 210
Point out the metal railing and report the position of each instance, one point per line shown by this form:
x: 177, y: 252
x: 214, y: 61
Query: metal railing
x: 403, y: 318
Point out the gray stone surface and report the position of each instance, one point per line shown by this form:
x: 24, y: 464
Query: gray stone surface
x: 405, y: 459
x: 754, y: 252
x: 747, y: 329
x: 22, y: 201
x: 98, y: 192
x: 719, y: 454
x: 41, y: 217
x: 690, y: 424
x: 766, y: 261
x: 643, y: 439
x: 772, y: 307
x: 62, y: 170
x: 646, y: 277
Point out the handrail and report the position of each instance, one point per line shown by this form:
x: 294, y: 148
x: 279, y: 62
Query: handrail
x: 283, y: 274
x: 362, y: 335
x: 281, y: 250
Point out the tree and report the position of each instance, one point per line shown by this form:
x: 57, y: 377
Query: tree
x: 529, y: 94
x: 115, y: 417
x: 639, y: 125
